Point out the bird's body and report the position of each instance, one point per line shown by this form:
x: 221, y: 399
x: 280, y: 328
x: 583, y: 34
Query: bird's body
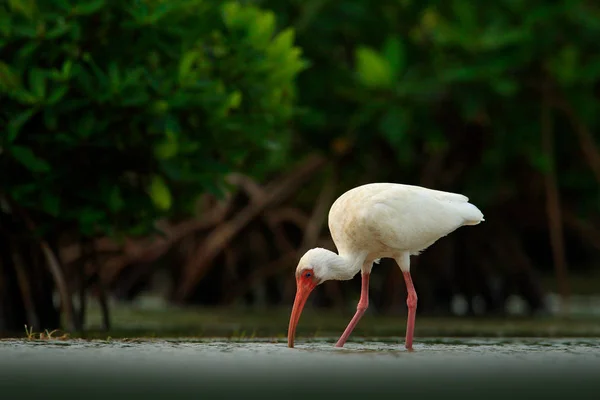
x: 388, y: 219
x: 380, y: 220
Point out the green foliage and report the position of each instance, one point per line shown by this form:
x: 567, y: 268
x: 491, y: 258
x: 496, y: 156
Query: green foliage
x: 430, y: 79
x: 114, y: 113
x: 374, y: 71
x: 380, y: 69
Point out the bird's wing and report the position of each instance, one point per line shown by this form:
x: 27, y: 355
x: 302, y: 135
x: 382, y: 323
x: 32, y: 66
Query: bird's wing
x: 411, y: 218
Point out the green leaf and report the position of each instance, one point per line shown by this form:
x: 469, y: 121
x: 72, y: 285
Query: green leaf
x: 28, y: 159
x: 373, y: 70
x: 88, y: 7
x: 235, y: 99
x: 465, y: 13
x: 160, y: 107
x: 159, y: 193
x: 9, y: 80
x: 282, y: 42
x: 15, y: 125
x: 58, y: 31
x: 186, y: 64
x: 51, y: 204
x: 37, y: 83
x: 167, y: 148
x: 27, y: 30
x: 231, y: 12
x: 66, y: 69
x: 89, y: 220
x: 28, y: 49
x: 28, y: 8
x: 24, y: 191
x: 24, y: 97
x: 565, y: 64
x: 57, y: 94
x: 262, y: 28
x: 393, y: 50
x: 115, y: 200
x: 505, y: 86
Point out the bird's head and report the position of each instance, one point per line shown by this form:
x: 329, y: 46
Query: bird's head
x: 315, y: 267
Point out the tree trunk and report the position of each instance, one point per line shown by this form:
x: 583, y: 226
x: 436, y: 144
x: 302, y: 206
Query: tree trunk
x: 40, y: 313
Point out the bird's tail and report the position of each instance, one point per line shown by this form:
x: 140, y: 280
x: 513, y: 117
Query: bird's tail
x: 471, y: 214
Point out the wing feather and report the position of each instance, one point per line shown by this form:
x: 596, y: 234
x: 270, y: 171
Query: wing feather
x: 412, y: 218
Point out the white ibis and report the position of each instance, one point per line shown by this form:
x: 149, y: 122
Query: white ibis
x: 375, y: 221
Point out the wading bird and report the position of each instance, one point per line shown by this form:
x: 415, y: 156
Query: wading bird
x: 375, y: 221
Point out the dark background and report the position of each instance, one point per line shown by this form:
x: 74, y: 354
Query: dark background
x: 157, y: 155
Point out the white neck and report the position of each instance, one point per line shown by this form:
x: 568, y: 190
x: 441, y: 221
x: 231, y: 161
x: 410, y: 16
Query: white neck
x: 342, y: 267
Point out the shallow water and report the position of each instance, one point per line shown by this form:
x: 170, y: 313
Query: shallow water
x: 312, y: 350
x: 436, y: 367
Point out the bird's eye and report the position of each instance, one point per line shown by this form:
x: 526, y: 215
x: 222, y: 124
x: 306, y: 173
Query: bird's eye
x: 308, y: 275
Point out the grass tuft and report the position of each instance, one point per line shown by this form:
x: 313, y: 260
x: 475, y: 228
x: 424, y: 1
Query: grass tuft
x: 56, y: 334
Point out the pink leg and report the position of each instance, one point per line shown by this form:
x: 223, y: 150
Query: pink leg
x: 411, y: 302
x: 363, y: 303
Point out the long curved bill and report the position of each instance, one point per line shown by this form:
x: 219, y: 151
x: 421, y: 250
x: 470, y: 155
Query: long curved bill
x: 302, y: 293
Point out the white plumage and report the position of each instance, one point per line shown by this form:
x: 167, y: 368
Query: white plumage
x: 387, y: 217
x: 374, y: 221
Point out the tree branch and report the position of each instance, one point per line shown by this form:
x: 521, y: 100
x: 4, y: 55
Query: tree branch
x: 200, y: 262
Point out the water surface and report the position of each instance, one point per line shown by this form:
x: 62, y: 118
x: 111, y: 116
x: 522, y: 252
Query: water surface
x: 494, y: 368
